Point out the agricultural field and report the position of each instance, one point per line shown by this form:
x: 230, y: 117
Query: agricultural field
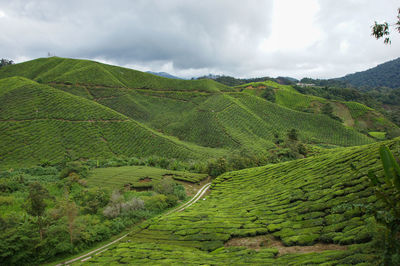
x: 66, y: 125
x: 117, y: 148
x: 319, y: 202
x: 72, y: 71
x: 89, y: 118
x: 351, y: 114
x: 137, y: 177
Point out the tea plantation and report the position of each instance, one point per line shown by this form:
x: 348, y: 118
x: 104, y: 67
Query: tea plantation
x: 39, y: 123
x: 83, y: 109
x: 137, y: 177
x: 321, y: 199
x: 106, y: 148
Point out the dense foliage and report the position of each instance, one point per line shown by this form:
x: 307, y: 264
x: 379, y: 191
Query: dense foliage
x: 384, y: 75
x: 387, y: 189
x: 45, y: 214
x: 231, y: 81
x: 5, y: 62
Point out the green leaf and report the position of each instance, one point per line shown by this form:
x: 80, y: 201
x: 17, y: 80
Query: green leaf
x: 390, y: 166
x: 387, y: 163
x: 373, y: 178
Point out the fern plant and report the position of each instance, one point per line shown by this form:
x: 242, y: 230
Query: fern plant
x: 387, y: 188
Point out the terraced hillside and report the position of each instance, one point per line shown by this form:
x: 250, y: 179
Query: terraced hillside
x: 224, y: 120
x: 266, y: 215
x: 102, y: 111
x: 137, y: 177
x: 199, y: 115
x: 39, y: 123
x: 73, y: 71
x: 352, y: 114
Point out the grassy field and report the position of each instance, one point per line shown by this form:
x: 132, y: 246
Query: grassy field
x: 306, y: 202
x: 137, y: 176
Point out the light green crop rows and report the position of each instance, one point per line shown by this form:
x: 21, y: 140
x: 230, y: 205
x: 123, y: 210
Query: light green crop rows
x: 302, y: 202
x: 42, y: 123
x: 356, y: 109
x: 72, y: 71
x: 117, y: 177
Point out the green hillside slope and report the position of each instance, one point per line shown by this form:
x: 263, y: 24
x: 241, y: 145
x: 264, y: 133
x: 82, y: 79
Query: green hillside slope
x: 352, y: 114
x: 40, y: 123
x: 123, y: 112
x: 232, y: 120
x: 383, y: 75
x: 73, y: 71
x: 255, y: 215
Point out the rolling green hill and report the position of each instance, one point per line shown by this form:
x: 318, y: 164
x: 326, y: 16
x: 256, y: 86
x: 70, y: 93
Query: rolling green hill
x: 40, y: 123
x: 85, y: 109
x: 57, y: 110
x: 255, y: 215
x: 73, y: 71
x: 352, y: 114
x: 207, y: 119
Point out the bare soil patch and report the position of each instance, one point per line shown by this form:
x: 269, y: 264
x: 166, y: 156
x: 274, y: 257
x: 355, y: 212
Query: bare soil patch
x: 343, y: 112
x: 268, y: 241
x: 145, y: 180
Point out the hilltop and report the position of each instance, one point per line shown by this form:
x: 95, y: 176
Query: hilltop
x: 163, y: 74
x: 383, y: 75
x: 58, y: 70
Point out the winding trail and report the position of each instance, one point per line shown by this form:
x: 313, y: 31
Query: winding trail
x: 99, y: 250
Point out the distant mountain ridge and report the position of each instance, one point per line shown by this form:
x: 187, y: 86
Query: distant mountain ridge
x: 383, y: 75
x: 163, y: 74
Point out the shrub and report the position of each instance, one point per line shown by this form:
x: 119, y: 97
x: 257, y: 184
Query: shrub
x: 387, y: 189
x: 132, y: 205
x: 165, y: 186
x: 217, y: 167
x: 293, y: 134
x: 156, y: 202
x: 179, y: 191
x: 74, y: 167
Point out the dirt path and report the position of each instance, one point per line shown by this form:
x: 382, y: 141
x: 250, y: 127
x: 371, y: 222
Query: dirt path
x: 196, y: 197
x: 99, y: 250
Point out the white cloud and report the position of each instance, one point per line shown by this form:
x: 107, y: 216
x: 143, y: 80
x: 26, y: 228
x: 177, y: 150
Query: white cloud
x: 293, y: 26
x: 317, y: 38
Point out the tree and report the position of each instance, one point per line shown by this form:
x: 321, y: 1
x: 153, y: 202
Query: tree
x: 269, y: 95
x: 382, y: 30
x: 387, y: 189
x: 70, y: 210
x: 293, y: 134
x: 113, y: 209
x: 327, y: 109
x: 36, y: 204
x: 6, y: 62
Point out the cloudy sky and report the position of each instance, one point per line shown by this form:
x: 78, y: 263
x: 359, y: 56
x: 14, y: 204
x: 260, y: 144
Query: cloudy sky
x: 298, y: 38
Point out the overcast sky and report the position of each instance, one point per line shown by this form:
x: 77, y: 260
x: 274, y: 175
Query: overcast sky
x: 297, y: 38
